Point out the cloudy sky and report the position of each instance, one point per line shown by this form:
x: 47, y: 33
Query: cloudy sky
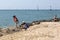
x: 29, y: 4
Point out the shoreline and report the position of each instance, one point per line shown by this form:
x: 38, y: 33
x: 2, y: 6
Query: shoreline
x: 13, y: 29
x: 46, y: 30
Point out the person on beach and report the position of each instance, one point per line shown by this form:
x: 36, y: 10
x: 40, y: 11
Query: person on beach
x: 55, y: 18
x: 15, y: 20
x: 25, y: 25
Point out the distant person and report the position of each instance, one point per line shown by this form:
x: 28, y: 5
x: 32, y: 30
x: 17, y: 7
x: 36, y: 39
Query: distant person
x: 55, y: 18
x: 15, y: 20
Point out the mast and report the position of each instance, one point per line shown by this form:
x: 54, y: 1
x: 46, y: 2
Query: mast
x: 38, y: 7
x: 50, y: 8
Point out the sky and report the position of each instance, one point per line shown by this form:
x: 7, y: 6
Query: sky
x: 29, y: 4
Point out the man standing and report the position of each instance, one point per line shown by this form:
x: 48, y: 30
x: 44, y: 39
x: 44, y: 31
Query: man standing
x: 15, y: 20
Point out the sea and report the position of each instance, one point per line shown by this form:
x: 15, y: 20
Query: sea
x: 6, y: 16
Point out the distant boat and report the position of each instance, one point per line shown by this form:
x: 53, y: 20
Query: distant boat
x: 37, y: 8
x: 50, y: 8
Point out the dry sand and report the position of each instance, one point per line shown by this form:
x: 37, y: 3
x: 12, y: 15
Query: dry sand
x: 42, y: 31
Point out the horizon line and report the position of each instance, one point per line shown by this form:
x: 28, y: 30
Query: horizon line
x: 29, y: 9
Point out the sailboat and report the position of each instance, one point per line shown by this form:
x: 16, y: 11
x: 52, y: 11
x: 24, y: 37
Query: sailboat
x: 50, y: 8
x: 37, y: 8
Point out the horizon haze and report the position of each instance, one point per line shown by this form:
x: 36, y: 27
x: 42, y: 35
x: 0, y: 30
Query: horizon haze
x: 29, y: 4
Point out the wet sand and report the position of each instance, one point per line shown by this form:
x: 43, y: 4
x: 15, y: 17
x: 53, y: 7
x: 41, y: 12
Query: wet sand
x: 42, y: 31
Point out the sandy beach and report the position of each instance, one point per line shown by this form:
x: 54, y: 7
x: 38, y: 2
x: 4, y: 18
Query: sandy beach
x: 42, y: 31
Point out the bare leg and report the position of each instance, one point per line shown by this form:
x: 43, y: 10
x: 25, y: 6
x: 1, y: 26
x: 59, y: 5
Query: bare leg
x: 16, y: 24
